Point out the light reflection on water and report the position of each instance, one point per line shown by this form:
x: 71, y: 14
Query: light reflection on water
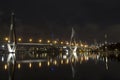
x: 88, y: 67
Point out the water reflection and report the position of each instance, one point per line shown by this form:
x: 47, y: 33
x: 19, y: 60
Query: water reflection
x: 58, y: 61
x: 85, y: 63
x: 40, y: 64
x: 19, y: 66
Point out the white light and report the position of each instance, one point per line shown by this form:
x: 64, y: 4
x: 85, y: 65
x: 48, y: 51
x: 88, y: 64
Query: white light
x: 64, y: 57
x: 67, y: 52
x: 2, y: 58
x: 3, y: 46
x: 64, y: 47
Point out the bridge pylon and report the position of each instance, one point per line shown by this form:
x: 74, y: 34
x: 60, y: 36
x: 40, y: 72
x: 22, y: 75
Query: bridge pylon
x: 11, y: 45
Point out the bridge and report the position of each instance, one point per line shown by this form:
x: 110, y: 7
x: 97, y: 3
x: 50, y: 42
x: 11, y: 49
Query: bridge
x: 49, y: 53
x: 16, y: 50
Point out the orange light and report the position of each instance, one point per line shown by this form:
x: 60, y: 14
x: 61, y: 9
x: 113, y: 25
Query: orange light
x: 19, y: 39
x: 40, y: 40
x: 40, y: 64
x: 30, y: 40
x: 48, y: 41
x: 19, y: 66
x: 6, y: 38
x: 55, y: 42
x: 61, y: 42
x: 5, y: 66
x: 30, y: 65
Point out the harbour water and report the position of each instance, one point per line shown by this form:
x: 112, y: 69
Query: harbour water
x: 85, y: 70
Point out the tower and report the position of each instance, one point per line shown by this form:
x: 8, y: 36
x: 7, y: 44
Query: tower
x: 11, y: 45
x: 12, y: 35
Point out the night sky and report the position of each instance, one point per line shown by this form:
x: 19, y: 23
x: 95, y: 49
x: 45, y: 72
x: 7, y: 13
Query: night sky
x: 91, y: 19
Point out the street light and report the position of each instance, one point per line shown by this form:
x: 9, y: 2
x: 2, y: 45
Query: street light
x: 30, y: 40
x: 40, y: 40
x: 19, y: 39
x: 6, y: 39
x: 48, y: 41
x: 61, y: 42
x: 67, y: 43
x: 55, y: 42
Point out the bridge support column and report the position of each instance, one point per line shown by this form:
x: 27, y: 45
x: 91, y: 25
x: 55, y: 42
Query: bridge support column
x: 11, y: 60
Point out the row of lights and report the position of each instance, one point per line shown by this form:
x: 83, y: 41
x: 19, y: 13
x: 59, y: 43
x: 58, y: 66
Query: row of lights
x: 40, y: 40
x: 85, y: 58
x: 40, y: 64
x: 48, y: 41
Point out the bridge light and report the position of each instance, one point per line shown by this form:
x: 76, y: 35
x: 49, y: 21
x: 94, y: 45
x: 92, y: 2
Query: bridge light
x: 48, y: 41
x: 72, y: 44
x: 81, y: 45
x: 19, y: 39
x: 86, y: 46
x: 6, y: 38
x: 55, y: 42
x: 76, y: 44
x: 67, y: 43
x: 40, y: 40
x: 30, y: 40
x: 61, y: 42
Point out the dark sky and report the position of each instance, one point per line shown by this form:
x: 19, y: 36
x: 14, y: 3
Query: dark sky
x: 91, y: 19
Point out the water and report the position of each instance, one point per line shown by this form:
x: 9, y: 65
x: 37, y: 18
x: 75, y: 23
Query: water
x: 87, y: 70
